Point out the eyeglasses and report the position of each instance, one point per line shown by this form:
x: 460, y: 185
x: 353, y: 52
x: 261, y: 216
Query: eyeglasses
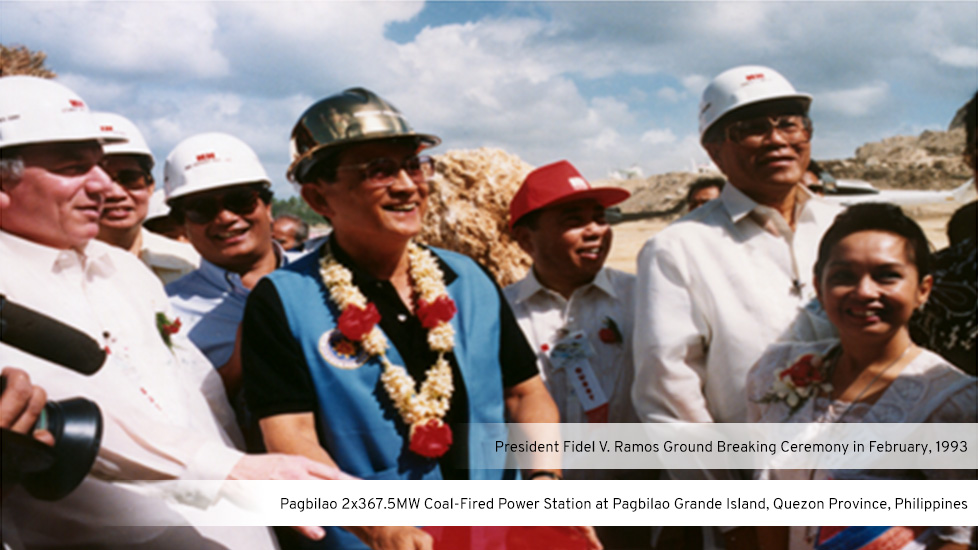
x: 382, y: 172
x: 132, y: 180
x: 794, y: 128
x: 201, y: 210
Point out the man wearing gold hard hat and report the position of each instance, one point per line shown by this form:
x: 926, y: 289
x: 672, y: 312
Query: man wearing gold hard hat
x: 336, y: 343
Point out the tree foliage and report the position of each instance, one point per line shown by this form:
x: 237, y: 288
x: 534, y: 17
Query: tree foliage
x: 19, y: 60
x: 296, y: 207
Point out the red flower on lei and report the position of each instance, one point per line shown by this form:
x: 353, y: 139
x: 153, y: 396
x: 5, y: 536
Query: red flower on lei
x: 441, y: 310
x: 431, y: 439
x: 356, y: 322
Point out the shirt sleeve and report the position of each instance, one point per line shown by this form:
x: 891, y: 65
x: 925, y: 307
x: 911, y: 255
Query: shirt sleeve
x: 670, y: 342
x: 516, y: 357
x: 275, y: 373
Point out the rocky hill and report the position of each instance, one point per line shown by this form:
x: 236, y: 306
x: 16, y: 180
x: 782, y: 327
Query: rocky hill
x: 931, y: 160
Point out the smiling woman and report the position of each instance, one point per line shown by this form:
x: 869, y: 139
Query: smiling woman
x: 871, y: 274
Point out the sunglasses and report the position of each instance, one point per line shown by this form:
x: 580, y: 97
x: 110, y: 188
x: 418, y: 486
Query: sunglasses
x: 794, y: 128
x: 132, y: 180
x: 381, y: 172
x: 201, y: 210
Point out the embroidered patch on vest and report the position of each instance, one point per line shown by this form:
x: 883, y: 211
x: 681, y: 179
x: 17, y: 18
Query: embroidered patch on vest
x: 341, y: 352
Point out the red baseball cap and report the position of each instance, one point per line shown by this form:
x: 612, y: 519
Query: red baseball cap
x: 558, y: 183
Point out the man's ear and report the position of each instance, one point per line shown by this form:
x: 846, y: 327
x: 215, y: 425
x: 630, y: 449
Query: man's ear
x: 315, y: 197
x: 4, y: 196
x: 522, y: 235
x: 713, y: 149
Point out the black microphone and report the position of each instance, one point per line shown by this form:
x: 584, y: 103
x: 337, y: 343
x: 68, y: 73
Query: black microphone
x: 37, y: 334
x: 50, y: 473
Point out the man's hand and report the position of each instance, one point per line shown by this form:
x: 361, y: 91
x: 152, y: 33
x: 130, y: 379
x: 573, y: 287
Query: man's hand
x: 283, y: 467
x: 394, y: 538
x: 21, y: 404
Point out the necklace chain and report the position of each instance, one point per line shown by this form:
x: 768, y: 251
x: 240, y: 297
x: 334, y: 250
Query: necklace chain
x: 873, y: 381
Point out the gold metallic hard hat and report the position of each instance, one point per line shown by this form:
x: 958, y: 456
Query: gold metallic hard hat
x: 353, y: 116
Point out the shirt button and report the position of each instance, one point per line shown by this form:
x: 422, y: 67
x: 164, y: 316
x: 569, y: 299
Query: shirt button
x: 401, y: 317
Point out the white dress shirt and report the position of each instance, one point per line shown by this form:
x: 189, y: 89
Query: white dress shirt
x: 164, y: 409
x: 714, y: 289
x: 542, y: 314
x: 169, y: 259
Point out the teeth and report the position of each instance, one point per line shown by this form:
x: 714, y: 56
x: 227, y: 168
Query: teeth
x: 591, y: 251
x: 867, y: 313
x: 401, y: 207
x: 230, y: 234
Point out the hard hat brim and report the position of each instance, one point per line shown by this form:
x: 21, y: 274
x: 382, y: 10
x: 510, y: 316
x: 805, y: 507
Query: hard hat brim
x: 299, y: 170
x: 606, y: 196
x: 804, y: 99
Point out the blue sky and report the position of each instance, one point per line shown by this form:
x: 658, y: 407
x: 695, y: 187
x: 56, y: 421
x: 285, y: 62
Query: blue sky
x: 606, y: 85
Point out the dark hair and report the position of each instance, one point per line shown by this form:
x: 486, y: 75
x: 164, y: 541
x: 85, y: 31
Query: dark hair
x: 876, y: 216
x: 704, y: 183
x: 530, y: 220
x: 301, y: 227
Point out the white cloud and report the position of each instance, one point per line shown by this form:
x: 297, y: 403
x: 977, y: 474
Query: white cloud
x: 124, y: 37
x: 658, y: 137
x: 578, y: 80
x: 965, y: 57
x: 669, y: 94
x: 855, y: 101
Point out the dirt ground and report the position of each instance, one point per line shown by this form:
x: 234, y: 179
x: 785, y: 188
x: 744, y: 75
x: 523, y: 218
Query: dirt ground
x: 630, y: 236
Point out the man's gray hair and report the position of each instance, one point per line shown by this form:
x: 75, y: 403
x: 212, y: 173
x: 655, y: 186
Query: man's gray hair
x: 11, y: 169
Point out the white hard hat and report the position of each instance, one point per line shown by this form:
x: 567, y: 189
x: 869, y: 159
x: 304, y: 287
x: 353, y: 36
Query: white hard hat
x: 157, y: 206
x: 741, y: 86
x: 38, y: 110
x: 112, y: 125
x: 210, y: 161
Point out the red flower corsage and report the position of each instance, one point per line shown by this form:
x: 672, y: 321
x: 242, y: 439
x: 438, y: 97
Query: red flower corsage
x: 441, y: 310
x: 804, y: 372
x: 431, y: 438
x: 166, y: 327
x: 356, y: 322
x: 805, y: 377
x: 609, y: 333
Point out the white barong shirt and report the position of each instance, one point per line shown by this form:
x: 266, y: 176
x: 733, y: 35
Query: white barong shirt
x: 543, y: 313
x: 714, y: 290
x: 164, y: 410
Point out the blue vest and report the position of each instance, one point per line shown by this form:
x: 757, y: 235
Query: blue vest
x: 356, y: 421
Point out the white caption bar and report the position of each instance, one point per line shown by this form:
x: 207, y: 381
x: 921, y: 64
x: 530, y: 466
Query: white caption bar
x: 595, y: 503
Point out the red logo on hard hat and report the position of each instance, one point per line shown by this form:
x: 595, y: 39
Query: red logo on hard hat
x: 755, y: 76
x: 106, y: 128
x: 76, y: 102
x: 205, y: 156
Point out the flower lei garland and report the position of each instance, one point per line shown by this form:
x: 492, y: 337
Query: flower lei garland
x: 805, y: 377
x: 423, y: 410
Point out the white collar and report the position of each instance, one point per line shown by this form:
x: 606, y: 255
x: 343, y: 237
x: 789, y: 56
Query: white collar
x: 530, y: 285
